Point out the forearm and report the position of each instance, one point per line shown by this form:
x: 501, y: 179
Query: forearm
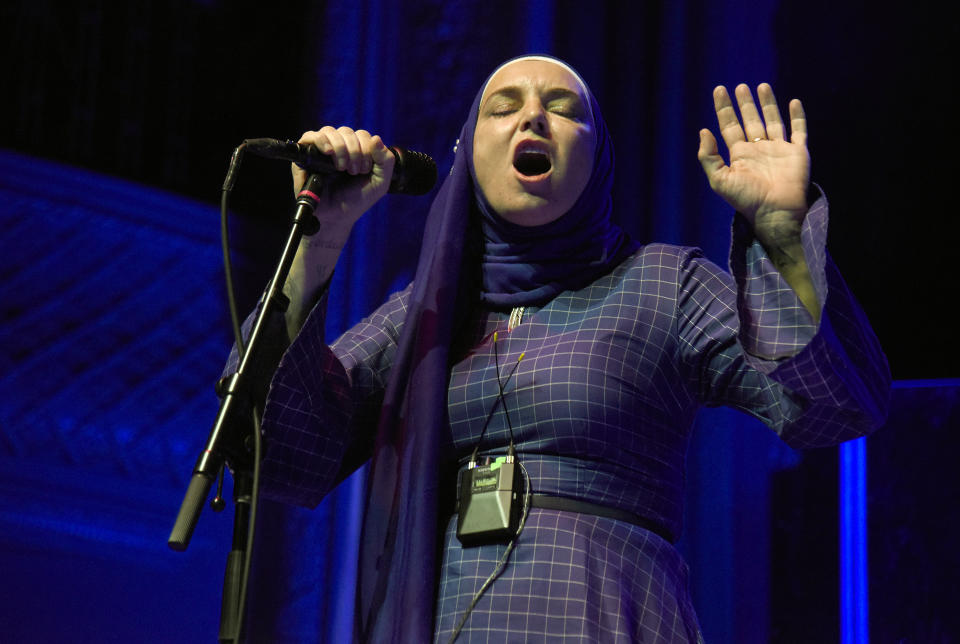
x: 324, y: 402
x: 840, y: 380
x: 779, y: 234
x: 367, y: 166
x: 311, y: 271
x: 832, y: 371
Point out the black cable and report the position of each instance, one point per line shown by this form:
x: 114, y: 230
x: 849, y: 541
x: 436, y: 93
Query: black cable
x: 502, y: 386
x: 503, y: 402
x: 502, y: 564
x: 225, y: 246
x: 511, y: 452
x: 238, y: 339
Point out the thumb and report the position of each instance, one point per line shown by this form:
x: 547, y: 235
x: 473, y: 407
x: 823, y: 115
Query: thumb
x: 383, y: 158
x: 709, y: 155
x: 299, y: 177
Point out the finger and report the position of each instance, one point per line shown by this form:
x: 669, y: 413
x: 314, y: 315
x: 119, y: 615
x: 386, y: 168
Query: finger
x: 330, y: 141
x: 798, y: 123
x: 354, y: 153
x: 299, y: 177
x: 366, y: 149
x: 382, y: 156
x: 336, y: 145
x: 318, y: 139
x: 727, y: 119
x: 709, y: 155
x: 752, y: 123
x: 771, y: 112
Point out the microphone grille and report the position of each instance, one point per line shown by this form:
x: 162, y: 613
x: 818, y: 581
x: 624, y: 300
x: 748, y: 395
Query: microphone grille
x: 414, y: 173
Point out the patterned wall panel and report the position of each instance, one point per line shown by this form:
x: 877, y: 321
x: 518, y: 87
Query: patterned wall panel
x: 112, y: 322
x: 111, y: 336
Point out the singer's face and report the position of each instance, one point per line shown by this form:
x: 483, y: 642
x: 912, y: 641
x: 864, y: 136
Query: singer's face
x: 534, y: 142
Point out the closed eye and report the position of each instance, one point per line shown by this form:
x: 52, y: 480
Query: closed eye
x: 567, y: 109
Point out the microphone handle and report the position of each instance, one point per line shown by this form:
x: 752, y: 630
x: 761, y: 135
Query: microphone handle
x: 414, y: 173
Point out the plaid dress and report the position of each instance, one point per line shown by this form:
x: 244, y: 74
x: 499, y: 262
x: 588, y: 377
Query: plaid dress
x: 601, y: 407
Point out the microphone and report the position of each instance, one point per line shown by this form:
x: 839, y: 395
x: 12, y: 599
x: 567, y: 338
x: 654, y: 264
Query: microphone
x: 414, y: 173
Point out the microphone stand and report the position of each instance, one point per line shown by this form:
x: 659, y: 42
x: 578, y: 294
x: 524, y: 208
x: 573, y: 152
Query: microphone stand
x: 235, y: 429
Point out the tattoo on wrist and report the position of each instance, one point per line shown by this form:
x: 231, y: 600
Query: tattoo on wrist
x: 319, y: 242
x: 784, y: 257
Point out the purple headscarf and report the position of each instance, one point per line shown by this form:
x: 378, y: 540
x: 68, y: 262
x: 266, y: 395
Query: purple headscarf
x: 530, y: 265
x: 519, y: 266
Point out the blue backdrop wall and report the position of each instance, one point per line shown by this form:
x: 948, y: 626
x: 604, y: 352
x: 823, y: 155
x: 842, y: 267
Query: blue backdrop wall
x: 116, y: 136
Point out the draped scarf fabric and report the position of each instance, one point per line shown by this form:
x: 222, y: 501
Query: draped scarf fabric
x: 519, y: 266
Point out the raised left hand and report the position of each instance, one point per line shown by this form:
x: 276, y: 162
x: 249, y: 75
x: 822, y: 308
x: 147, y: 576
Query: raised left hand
x: 767, y: 177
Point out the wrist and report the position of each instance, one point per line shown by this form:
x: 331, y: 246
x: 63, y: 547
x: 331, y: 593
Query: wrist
x: 314, y: 263
x: 778, y: 229
x: 779, y: 233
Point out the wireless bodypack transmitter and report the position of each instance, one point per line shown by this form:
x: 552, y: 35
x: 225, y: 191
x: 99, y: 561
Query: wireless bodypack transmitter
x: 489, y: 502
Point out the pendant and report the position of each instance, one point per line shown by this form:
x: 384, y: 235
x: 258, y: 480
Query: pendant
x: 516, y: 317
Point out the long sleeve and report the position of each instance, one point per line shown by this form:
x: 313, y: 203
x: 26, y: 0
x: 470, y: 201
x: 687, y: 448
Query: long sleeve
x: 814, y: 384
x: 320, y: 411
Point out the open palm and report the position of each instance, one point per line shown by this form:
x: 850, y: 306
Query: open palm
x: 767, y: 176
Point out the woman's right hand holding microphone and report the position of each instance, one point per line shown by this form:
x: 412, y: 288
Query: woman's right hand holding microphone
x: 366, y: 166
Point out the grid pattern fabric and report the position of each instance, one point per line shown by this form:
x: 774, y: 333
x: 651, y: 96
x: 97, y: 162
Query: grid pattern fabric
x: 571, y: 578
x: 601, y: 407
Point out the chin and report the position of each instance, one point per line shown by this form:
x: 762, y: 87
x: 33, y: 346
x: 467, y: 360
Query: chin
x: 525, y: 207
x: 531, y: 217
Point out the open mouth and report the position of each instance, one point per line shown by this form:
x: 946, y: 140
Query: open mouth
x: 531, y: 161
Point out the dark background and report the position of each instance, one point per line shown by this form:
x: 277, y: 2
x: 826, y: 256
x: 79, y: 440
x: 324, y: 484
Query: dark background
x: 161, y: 92
x: 116, y: 127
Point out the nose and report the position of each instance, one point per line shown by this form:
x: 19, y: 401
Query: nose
x: 534, y: 118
